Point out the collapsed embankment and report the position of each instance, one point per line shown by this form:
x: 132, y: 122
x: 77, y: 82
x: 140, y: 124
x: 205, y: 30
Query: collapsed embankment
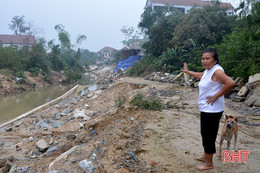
x: 88, y: 132
x: 9, y: 84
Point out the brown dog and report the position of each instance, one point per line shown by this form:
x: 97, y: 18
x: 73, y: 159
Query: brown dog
x: 228, y: 130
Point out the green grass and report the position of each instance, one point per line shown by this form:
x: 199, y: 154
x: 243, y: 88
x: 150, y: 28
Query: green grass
x: 149, y: 103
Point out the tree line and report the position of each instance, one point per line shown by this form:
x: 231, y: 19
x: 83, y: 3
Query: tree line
x: 175, y: 38
x: 45, y: 56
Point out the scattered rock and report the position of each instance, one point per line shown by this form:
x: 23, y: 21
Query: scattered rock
x: 56, y: 124
x: 9, y: 129
x: 236, y: 98
x: 57, y: 117
x: 254, y: 79
x: 73, y: 101
x: 42, y: 145
x: 80, y: 114
x: 87, y: 166
x: 71, y: 136
x: 161, y: 77
x: 87, y: 106
x: 253, y: 97
x: 35, y: 152
x: 179, y: 76
x: 42, y: 124
x: 243, y: 91
x: 22, y: 169
x: 51, y: 150
x: 31, y: 138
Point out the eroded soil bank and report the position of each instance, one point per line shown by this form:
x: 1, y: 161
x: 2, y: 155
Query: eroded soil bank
x: 127, y: 139
x: 10, y: 85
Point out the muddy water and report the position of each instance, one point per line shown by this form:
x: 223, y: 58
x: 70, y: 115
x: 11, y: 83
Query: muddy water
x: 13, y: 106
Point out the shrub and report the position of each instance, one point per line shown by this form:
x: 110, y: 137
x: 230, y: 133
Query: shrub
x: 142, y: 67
x: 120, y: 101
x: 20, y: 77
x: 149, y: 103
x: 47, y: 79
x: 72, y: 75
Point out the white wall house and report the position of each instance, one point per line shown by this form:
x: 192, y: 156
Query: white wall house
x: 106, y: 52
x: 17, y: 41
x: 185, y: 5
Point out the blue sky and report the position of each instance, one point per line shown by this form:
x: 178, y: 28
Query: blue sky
x: 99, y: 20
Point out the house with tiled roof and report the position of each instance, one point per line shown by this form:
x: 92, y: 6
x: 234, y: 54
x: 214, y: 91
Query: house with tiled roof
x: 185, y: 5
x: 106, y: 52
x: 17, y: 41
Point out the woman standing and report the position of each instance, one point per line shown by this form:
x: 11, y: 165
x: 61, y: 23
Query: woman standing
x: 214, y: 84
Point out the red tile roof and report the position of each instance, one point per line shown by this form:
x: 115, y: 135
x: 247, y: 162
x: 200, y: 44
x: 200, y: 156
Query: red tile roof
x: 106, y: 48
x: 17, y: 39
x: 189, y: 3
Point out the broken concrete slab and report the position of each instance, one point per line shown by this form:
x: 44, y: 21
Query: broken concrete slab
x: 42, y: 145
x: 243, y: 91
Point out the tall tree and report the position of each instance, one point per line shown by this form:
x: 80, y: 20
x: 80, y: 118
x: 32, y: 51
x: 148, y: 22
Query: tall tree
x: 240, y: 51
x: 131, y: 35
x: 80, y: 39
x: 159, y: 25
x: 64, y: 37
x: 18, y: 25
x: 204, y: 27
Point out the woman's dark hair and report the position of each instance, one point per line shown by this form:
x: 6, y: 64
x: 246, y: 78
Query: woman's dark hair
x: 214, y: 52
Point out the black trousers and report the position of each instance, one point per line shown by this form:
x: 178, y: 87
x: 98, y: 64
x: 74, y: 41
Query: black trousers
x: 209, y: 124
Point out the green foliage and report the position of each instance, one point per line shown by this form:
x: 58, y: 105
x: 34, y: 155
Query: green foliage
x: 63, y: 36
x: 21, y: 77
x: 142, y: 67
x: 38, y: 60
x: 240, y: 54
x: 174, y: 39
x: 18, y: 25
x: 160, y: 30
x: 47, y: 79
x: 117, y: 56
x: 149, y: 103
x: 120, y: 101
x: 131, y: 35
x: 38, y: 57
x: 72, y: 75
x: 9, y: 58
x: 88, y: 57
x: 34, y: 71
x: 80, y: 39
x: 55, y: 58
x: 172, y: 59
x: 205, y: 27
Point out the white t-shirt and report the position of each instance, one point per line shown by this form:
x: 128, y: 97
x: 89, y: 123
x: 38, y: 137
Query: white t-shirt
x: 208, y: 88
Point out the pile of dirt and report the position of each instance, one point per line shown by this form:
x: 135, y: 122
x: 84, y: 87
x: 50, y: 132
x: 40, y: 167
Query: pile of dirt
x: 90, y: 133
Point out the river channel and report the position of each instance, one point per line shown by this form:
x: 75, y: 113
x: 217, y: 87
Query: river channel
x: 15, y: 105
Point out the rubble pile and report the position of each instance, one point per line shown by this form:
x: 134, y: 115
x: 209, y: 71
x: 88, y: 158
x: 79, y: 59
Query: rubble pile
x: 161, y: 77
x: 85, y: 132
x: 105, y: 75
x: 249, y: 92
